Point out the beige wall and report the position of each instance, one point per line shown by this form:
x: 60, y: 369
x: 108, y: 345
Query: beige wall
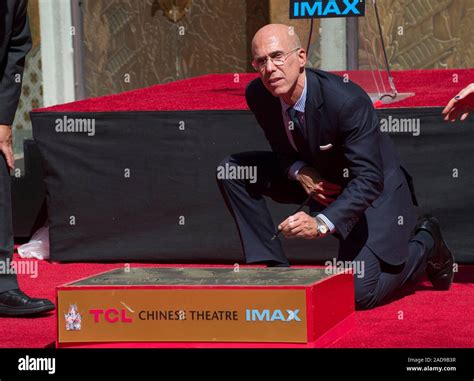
x: 135, y: 37
x: 435, y: 34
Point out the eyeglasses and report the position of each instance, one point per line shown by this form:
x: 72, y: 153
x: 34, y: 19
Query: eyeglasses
x: 278, y: 60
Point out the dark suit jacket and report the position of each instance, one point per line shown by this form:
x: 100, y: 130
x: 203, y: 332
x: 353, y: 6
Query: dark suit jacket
x: 376, y: 205
x: 15, y: 42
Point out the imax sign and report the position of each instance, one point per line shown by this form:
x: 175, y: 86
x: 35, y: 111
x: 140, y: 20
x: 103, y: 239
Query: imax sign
x: 326, y: 8
x: 272, y: 315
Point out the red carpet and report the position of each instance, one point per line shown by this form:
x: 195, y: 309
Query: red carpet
x: 433, y: 88
x: 421, y: 319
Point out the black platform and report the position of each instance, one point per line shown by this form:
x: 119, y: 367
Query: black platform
x: 97, y: 213
x: 28, y: 193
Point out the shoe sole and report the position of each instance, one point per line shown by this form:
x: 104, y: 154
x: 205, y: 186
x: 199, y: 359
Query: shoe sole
x: 9, y: 311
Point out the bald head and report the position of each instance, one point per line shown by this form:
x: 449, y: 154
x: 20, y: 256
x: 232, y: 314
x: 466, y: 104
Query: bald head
x: 276, y: 33
x: 280, y: 60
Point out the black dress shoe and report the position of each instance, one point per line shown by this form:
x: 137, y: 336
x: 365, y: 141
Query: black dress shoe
x: 17, y: 303
x: 440, y: 263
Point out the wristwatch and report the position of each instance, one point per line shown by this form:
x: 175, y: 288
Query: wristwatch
x: 322, y: 227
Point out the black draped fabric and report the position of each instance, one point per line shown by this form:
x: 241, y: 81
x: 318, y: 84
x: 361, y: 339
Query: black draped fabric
x: 142, y: 187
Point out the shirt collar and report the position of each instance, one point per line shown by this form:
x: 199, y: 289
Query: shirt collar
x: 300, y: 103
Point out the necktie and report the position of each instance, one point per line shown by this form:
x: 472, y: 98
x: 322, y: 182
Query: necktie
x: 297, y: 131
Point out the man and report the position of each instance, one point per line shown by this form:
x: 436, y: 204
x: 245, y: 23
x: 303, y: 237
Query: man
x: 325, y: 139
x: 15, y: 42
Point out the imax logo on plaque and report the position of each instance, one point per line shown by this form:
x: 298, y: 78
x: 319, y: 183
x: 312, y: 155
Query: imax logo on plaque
x: 272, y: 315
x: 326, y: 8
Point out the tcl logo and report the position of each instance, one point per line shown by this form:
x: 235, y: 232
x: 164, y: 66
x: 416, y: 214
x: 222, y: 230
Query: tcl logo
x: 111, y: 315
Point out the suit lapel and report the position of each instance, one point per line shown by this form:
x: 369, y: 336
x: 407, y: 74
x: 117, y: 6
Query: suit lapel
x: 314, y: 101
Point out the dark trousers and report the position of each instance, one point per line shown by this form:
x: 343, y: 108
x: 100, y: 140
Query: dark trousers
x: 246, y: 203
x: 7, y: 281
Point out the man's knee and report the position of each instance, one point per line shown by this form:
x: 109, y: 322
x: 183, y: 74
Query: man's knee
x: 223, y: 167
x: 228, y: 160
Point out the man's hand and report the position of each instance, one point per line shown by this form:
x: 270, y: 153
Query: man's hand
x: 311, y: 181
x: 6, y: 144
x: 461, y: 104
x: 300, y: 225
